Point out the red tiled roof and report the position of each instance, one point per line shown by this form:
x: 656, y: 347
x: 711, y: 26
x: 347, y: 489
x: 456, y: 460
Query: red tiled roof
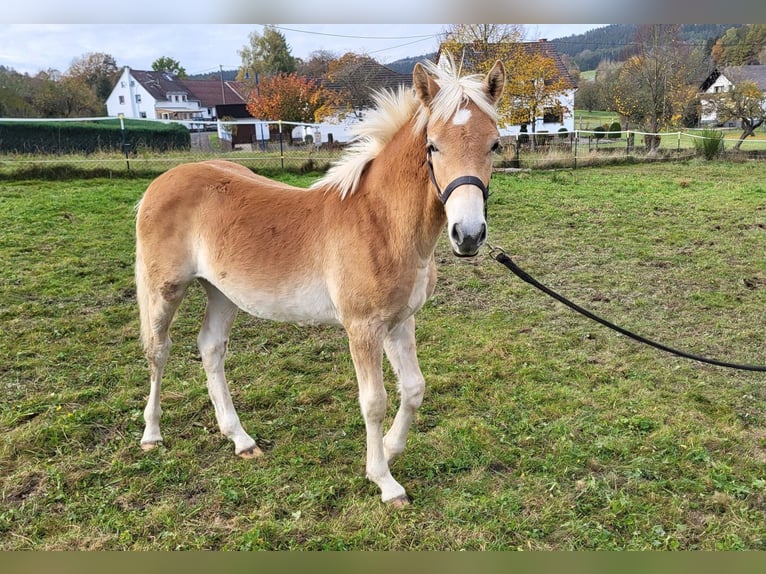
x: 209, y: 93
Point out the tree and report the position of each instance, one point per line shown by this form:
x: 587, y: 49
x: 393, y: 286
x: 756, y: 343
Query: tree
x: 317, y: 65
x: 745, y: 102
x: 170, y: 65
x: 65, y: 97
x: 588, y: 96
x: 653, y: 88
x: 740, y: 46
x: 533, y: 89
x: 291, y: 98
x: 353, y: 76
x: 97, y: 70
x: 15, y: 94
x: 265, y: 54
x: 534, y: 84
x: 483, y: 34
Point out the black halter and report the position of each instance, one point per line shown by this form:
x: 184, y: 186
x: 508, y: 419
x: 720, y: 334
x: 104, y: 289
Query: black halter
x: 455, y: 183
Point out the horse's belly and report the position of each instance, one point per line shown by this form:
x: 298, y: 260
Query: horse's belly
x: 297, y: 304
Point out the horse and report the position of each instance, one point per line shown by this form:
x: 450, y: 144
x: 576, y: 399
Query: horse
x: 354, y: 249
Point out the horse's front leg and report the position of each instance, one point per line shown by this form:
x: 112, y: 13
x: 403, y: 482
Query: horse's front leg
x: 366, y: 345
x: 400, y: 350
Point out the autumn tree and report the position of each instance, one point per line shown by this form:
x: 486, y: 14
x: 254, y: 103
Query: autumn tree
x: 170, y: 65
x: 97, y: 70
x: 265, y: 54
x: 741, y: 46
x: 291, y: 98
x: 65, y: 97
x: 653, y: 88
x: 353, y: 76
x: 533, y: 89
x: 317, y: 65
x: 535, y: 82
x: 745, y: 102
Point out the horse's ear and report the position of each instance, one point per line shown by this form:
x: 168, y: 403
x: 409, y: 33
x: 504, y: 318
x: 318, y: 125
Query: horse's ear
x: 425, y: 86
x: 494, y: 83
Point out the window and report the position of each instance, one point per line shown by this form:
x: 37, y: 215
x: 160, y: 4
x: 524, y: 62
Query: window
x: 143, y: 114
x: 552, y: 116
x: 122, y: 84
x: 122, y: 100
x: 138, y: 98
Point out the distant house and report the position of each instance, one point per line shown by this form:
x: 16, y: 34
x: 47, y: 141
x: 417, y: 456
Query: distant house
x: 163, y: 96
x: 723, y: 80
x: 555, y: 117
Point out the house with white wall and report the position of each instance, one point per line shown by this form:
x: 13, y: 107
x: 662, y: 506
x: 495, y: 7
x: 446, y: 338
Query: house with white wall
x: 163, y: 96
x: 724, y: 80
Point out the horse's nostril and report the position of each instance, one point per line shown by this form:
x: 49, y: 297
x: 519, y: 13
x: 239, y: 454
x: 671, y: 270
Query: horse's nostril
x: 482, y: 233
x: 456, y: 234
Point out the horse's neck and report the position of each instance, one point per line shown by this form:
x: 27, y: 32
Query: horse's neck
x: 400, y: 175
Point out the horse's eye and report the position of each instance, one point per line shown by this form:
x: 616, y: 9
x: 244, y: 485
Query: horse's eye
x: 497, y: 147
x: 431, y: 148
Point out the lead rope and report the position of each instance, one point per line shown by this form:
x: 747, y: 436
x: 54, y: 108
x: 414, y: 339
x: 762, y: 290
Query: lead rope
x: 499, y: 255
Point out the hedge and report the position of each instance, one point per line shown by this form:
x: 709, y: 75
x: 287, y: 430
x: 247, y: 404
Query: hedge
x: 58, y: 137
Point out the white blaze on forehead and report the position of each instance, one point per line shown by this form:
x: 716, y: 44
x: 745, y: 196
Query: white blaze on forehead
x: 461, y: 117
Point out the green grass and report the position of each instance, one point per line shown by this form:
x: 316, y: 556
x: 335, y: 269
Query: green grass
x: 587, y: 120
x: 539, y: 429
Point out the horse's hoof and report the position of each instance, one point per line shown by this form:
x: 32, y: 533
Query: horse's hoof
x: 147, y: 446
x: 254, y: 452
x: 400, y: 502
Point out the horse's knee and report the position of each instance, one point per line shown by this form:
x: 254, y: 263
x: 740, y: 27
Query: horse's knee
x: 412, y: 393
x: 374, y: 405
x: 157, y: 351
x: 211, y: 350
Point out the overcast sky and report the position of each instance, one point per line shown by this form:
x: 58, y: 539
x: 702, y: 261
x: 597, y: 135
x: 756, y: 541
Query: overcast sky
x: 203, y: 35
x: 201, y: 48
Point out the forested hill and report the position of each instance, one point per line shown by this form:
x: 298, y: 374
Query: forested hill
x: 406, y: 65
x: 610, y: 42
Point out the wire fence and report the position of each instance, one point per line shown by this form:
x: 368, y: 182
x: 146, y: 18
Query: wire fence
x: 593, y: 147
x: 272, y: 146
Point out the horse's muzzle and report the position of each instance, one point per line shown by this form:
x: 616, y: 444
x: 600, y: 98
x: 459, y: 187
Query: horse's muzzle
x: 467, y: 244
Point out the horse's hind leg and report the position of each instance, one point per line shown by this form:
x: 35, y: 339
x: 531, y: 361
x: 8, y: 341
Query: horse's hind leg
x: 400, y: 350
x: 213, y: 340
x: 157, y: 307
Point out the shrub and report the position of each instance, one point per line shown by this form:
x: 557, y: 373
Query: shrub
x: 709, y: 143
x: 563, y: 133
x: 89, y: 137
x: 614, y: 130
x: 599, y: 132
x: 543, y: 137
x: 523, y: 135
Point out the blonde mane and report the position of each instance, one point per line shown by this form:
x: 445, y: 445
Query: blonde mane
x: 392, y: 111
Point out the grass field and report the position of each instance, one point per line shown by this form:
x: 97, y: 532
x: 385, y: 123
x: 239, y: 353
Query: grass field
x: 539, y: 430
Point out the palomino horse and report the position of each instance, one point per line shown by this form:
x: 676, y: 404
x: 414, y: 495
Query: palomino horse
x: 355, y: 249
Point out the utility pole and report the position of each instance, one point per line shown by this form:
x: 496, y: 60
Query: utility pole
x: 223, y: 92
